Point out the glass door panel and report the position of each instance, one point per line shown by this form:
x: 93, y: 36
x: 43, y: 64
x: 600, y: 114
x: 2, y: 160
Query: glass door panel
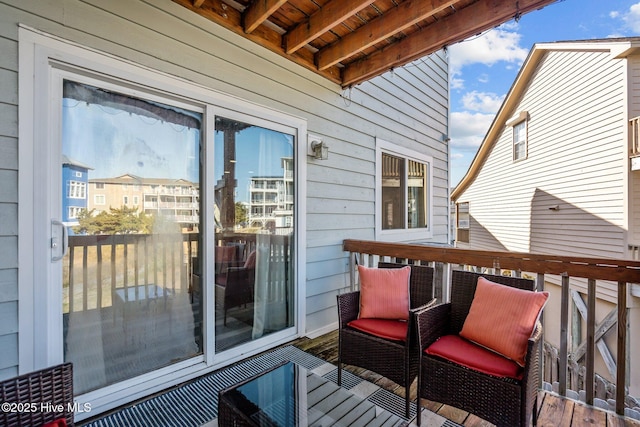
x: 254, y: 217
x: 131, y: 191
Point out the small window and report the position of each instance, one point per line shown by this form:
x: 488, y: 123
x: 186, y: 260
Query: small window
x: 403, y: 193
x: 74, y: 211
x: 520, y: 141
x: 99, y: 185
x: 462, y: 222
x: 136, y: 201
x: 77, y: 190
x: 98, y: 199
x: 125, y: 200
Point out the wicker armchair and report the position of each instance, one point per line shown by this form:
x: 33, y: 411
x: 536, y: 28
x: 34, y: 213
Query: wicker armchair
x: 237, y: 284
x: 502, y: 401
x: 396, y: 360
x: 52, y: 386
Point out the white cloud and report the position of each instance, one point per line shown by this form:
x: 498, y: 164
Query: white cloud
x: 632, y: 18
x: 484, y: 102
x: 457, y: 83
x: 468, y: 129
x: 498, y: 44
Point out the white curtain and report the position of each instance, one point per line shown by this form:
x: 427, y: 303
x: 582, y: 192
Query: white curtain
x: 271, y: 290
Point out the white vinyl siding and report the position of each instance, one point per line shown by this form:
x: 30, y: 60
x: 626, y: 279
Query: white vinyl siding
x: 576, y: 161
x: 408, y: 107
x: 634, y: 176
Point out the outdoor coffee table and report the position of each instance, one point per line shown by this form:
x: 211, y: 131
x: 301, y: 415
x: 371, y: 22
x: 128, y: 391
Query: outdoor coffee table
x: 290, y: 395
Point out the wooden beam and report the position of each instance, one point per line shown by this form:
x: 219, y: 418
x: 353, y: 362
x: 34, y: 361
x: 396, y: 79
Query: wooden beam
x: 258, y: 12
x: 471, y: 20
x: 220, y: 13
x: 330, y: 15
x: 392, y: 22
x: 197, y: 3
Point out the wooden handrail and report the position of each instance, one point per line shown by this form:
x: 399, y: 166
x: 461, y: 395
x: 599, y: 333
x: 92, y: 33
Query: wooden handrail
x: 593, y: 268
x: 623, y: 272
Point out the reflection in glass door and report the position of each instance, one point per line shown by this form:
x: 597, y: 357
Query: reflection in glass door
x: 254, y: 229
x: 130, y: 198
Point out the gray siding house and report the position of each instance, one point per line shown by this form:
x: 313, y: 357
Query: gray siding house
x: 72, y: 76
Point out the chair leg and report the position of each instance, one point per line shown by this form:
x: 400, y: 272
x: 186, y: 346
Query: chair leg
x: 419, y: 389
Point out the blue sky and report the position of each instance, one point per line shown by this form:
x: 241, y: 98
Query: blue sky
x: 483, y: 68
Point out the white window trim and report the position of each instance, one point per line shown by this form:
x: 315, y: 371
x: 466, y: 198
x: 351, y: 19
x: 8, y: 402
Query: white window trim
x: 40, y: 320
x: 521, y: 117
x: 407, y: 234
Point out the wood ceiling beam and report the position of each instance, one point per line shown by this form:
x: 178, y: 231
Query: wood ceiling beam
x: 197, y: 3
x: 464, y: 23
x: 330, y: 15
x: 394, y: 21
x: 258, y: 12
x: 228, y: 17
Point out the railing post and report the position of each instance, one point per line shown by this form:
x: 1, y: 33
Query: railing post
x: 564, y: 337
x: 621, y: 369
x: 591, y: 341
x: 352, y: 273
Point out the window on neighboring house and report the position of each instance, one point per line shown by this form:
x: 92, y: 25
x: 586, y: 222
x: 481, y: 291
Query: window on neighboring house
x: 462, y: 222
x: 74, y: 211
x: 98, y: 199
x: 136, y: 201
x: 100, y: 185
x: 520, y: 141
x: 77, y: 190
x: 125, y: 200
x: 403, y: 193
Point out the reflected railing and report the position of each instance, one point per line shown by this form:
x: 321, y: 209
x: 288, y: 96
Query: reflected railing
x: 593, y: 277
x: 98, y: 265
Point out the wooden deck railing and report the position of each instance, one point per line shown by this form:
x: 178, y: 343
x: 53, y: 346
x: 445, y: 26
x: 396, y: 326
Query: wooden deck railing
x: 622, y: 272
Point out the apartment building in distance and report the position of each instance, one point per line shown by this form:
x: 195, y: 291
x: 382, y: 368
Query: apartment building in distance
x: 176, y: 200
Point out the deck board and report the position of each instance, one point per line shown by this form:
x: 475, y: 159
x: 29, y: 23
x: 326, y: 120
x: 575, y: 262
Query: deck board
x: 553, y: 410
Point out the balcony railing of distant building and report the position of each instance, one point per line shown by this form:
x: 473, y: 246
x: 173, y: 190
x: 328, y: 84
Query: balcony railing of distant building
x: 563, y: 370
x: 634, y: 135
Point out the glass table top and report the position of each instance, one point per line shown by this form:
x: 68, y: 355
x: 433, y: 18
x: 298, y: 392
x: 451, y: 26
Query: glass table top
x: 290, y: 395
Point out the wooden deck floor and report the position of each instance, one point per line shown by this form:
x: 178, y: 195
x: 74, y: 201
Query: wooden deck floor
x: 554, y: 411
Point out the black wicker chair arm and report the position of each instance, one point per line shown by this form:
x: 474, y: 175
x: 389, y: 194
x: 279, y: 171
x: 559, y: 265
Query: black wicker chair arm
x: 348, y: 308
x: 415, y: 311
x: 432, y: 324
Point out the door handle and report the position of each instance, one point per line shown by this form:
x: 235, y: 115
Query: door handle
x: 57, y: 239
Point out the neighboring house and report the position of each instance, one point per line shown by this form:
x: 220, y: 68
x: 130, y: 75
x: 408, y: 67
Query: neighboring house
x: 554, y: 173
x: 75, y: 176
x: 176, y: 199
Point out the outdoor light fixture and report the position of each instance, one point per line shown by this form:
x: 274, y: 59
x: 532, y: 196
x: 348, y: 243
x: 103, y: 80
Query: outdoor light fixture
x: 318, y: 149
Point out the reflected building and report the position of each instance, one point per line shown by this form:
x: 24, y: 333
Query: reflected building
x: 175, y: 200
x: 271, y: 200
x: 75, y: 176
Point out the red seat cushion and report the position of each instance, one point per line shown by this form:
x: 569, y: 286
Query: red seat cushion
x: 384, y: 328
x: 57, y: 423
x: 458, y: 350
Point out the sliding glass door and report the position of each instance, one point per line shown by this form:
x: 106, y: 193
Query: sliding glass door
x: 254, y: 231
